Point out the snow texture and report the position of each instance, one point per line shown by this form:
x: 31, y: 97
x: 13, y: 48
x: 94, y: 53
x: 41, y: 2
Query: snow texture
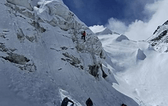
x: 140, y: 71
x: 43, y: 58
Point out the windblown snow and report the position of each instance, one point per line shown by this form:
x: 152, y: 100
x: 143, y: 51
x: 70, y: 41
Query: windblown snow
x: 43, y: 58
x: 139, y: 67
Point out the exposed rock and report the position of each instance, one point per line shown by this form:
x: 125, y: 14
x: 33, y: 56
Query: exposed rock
x: 160, y: 36
x: 20, y: 35
x: 166, y: 23
x: 3, y: 48
x: 31, y: 39
x: 159, y: 40
x: 156, y: 30
x: 16, y: 58
x: 38, y: 27
x: 71, y: 59
x: 64, y: 48
x: 104, y: 75
x: 94, y: 70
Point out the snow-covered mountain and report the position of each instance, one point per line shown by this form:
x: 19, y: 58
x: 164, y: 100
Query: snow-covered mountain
x: 43, y: 58
x: 140, y: 70
x: 159, y: 40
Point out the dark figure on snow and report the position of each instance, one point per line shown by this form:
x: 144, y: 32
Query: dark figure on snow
x: 84, y: 35
x: 123, y: 105
x: 89, y: 102
x: 65, y: 102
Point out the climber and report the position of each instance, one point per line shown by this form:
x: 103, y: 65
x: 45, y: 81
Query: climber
x: 89, y: 102
x: 123, y: 105
x: 65, y: 102
x: 83, y: 36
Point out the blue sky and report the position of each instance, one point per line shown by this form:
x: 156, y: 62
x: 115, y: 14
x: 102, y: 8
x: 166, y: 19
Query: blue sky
x: 97, y: 12
x: 137, y: 19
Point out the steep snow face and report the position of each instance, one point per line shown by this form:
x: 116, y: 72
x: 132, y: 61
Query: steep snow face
x: 43, y: 58
x: 159, y: 40
x: 141, y: 72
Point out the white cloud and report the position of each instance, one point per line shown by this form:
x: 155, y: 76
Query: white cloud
x: 97, y: 28
x: 116, y: 25
x: 113, y: 24
x: 137, y: 30
x: 152, y: 7
x: 142, y: 29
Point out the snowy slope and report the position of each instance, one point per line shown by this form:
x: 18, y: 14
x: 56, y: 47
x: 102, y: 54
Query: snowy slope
x: 141, y: 72
x: 43, y: 58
